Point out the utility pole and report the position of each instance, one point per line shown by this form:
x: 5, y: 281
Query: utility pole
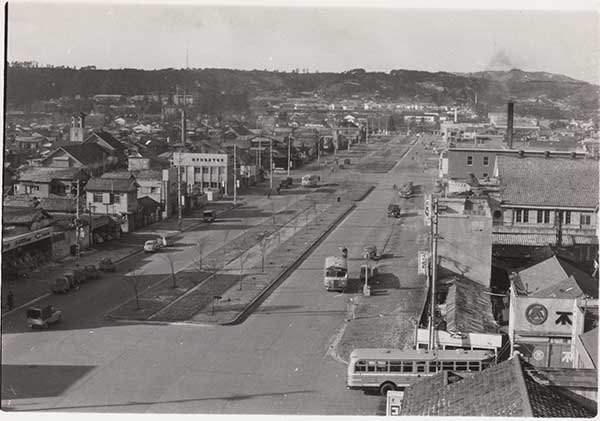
x: 289, y: 155
x: 77, y: 224
x: 234, y: 175
x: 434, y: 240
x: 367, y: 132
x: 271, y: 169
x: 179, y: 190
x: 318, y: 151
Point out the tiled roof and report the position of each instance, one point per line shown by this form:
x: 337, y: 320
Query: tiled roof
x: 47, y: 174
x: 86, y: 153
x: 20, y: 215
x: 111, y: 184
x: 108, y: 138
x: 552, y: 275
x: 469, y: 308
x: 501, y: 390
x: 548, y: 181
x: 148, y: 175
x: 148, y: 203
x: 122, y: 175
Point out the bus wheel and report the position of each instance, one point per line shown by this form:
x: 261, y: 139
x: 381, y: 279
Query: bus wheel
x: 384, y: 388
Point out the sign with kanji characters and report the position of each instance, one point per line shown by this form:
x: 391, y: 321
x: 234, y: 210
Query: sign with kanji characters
x: 394, y: 403
x: 423, y: 262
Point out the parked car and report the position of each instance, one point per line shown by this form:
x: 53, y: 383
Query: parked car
x: 152, y: 246
x: 42, y: 317
x: 91, y: 272
x: 107, y: 265
x: 62, y: 285
x: 393, y: 211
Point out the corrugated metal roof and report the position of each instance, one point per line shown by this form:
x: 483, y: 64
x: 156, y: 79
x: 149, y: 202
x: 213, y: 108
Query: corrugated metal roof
x: 548, y: 181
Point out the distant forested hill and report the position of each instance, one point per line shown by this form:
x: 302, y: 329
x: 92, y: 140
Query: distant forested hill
x: 218, y: 88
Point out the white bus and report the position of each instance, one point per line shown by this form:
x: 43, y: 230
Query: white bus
x: 390, y: 369
x: 336, y: 273
x: 310, y: 180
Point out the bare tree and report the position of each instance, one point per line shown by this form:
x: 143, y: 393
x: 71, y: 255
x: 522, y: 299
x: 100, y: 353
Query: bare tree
x: 134, y: 280
x: 169, y: 259
x: 263, y: 243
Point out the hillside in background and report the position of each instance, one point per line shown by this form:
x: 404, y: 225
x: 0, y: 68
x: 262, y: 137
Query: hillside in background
x: 543, y: 94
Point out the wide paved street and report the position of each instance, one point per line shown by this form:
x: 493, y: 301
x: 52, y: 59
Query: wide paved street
x: 276, y: 362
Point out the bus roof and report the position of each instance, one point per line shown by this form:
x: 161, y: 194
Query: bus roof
x: 336, y: 262
x: 419, y: 354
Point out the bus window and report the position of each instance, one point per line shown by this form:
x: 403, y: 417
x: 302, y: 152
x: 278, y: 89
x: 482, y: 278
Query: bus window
x: 474, y: 365
x: 382, y: 366
x: 395, y: 366
x: 433, y: 366
x: 422, y: 346
x: 421, y: 366
x: 461, y: 366
x: 447, y: 365
x: 360, y: 366
x: 407, y: 367
x: 371, y: 366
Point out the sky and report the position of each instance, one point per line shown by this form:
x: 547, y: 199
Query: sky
x: 320, y: 36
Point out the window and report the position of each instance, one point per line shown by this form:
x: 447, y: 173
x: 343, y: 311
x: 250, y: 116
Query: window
x: 360, y: 366
x: 115, y: 198
x: 433, y: 366
x: 421, y: 366
x: 546, y: 217
x: 407, y: 367
x: 469, y: 160
x: 213, y: 184
x: 447, y: 365
x: 154, y: 190
x: 395, y: 366
x: 540, y: 215
x: 461, y: 366
x: 197, y: 170
x: 518, y: 215
x: 585, y: 219
x: 567, y: 217
x: 204, y: 170
x: 97, y: 197
x: 371, y: 366
x: 382, y: 366
x: 485, y: 175
x: 205, y: 184
x: 486, y: 161
x: 525, y: 215
x: 474, y: 365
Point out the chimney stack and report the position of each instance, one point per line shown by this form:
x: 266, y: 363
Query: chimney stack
x: 509, y: 124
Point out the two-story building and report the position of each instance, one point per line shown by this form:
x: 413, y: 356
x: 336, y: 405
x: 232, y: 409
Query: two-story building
x: 114, y: 194
x: 206, y: 171
x: 48, y: 181
x: 548, y: 201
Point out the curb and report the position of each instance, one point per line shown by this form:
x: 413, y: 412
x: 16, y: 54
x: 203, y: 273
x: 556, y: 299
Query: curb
x: 257, y: 300
x: 364, y: 196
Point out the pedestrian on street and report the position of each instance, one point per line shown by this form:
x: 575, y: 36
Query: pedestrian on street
x: 269, y: 194
x: 10, y: 300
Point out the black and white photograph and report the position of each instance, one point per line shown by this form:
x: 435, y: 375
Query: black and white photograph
x: 347, y: 208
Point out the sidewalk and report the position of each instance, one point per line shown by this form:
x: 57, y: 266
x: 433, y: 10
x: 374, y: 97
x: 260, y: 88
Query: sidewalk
x: 37, y: 284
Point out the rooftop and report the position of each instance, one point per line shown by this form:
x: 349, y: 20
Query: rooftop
x: 505, y: 389
x: 469, y: 308
x: 86, y: 153
x: 590, y: 342
x: 47, y: 174
x: 548, y: 181
x: 111, y: 185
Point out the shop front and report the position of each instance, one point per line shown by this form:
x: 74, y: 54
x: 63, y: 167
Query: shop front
x: 26, y: 252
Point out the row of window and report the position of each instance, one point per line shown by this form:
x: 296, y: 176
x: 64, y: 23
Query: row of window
x: 543, y: 216
x: 114, y: 198
x: 208, y: 159
x: 379, y: 366
x: 486, y: 160
x: 205, y: 170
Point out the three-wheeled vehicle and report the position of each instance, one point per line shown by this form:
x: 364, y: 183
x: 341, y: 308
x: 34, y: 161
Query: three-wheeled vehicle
x: 42, y: 317
x: 370, y: 252
x: 209, y: 215
x: 393, y: 211
x: 63, y: 284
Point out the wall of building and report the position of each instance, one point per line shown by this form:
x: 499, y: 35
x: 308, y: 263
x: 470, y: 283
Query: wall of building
x: 465, y: 246
x: 127, y: 203
x: 458, y: 167
x: 43, y: 190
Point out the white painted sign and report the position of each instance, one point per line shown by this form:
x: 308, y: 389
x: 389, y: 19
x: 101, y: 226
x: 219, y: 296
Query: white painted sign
x: 394, y: 403
x: 423, y: 261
